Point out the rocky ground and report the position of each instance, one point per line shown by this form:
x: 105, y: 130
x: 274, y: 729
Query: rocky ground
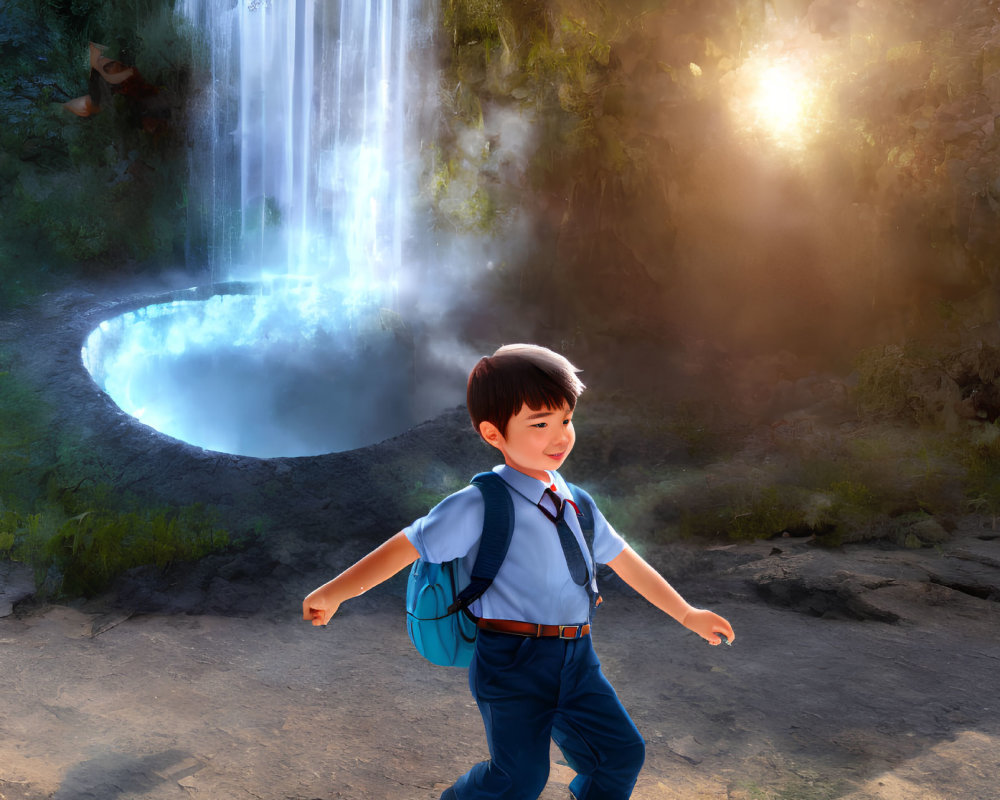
x: 867, y: 672
x: 863, y: 674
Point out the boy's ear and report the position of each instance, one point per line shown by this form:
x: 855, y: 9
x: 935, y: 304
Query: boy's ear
x: 490, y: 433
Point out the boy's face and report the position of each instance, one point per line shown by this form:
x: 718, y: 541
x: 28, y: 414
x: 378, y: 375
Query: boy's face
x: 537, y: 439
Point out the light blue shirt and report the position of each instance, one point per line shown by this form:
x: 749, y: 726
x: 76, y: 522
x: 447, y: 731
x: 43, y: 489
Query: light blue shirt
x: 533, y: 584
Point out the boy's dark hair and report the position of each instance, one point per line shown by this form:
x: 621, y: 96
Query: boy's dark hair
x: 519, y: 375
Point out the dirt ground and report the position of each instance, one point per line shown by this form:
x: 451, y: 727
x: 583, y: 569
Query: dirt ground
x: 101, y: 704
x: 862, y: 673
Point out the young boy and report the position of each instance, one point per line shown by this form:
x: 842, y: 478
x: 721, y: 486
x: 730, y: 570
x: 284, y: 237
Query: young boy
x: 534, y: 673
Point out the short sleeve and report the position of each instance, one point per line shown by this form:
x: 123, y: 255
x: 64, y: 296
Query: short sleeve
x: 451, y: 529
x: 608, y: 543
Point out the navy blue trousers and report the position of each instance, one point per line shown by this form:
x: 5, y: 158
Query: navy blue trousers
x: 531, y: 690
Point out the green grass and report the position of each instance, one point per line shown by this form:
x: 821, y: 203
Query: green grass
x: 60, y: 515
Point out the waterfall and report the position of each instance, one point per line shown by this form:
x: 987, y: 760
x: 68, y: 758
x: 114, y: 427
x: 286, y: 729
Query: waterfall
x: 304, y: 132
x: 303, y: 185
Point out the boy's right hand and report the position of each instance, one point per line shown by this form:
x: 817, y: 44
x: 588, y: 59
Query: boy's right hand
x: 318, y: 608
x: 382, y: 563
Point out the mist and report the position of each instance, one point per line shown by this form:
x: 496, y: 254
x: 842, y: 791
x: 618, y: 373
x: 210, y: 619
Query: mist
x: 744, y: 180
x: 673, y: 194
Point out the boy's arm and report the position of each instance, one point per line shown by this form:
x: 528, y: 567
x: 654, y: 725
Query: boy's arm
x: 379, y: 565
x: 632, y: 569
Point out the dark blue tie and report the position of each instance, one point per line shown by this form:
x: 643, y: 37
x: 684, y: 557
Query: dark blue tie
x: 570, y: 547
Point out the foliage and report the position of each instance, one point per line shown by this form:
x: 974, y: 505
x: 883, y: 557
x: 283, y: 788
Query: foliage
x: 25, y: 447
x: 950, y: 381
x: 528, y: 57
x: 458, y: 194
x: 982, y: 464
x: 653, y: 202
x: 59, y: 513
x: 472, y: 20
x: 883, y: 385
x: 88, y: 550
x: 95, y: 193
x: 876, y: 483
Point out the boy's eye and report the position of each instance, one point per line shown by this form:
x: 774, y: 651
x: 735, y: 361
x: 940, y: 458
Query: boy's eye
x: 540, y: 425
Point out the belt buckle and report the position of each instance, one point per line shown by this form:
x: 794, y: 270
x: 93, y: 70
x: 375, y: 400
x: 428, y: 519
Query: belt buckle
x: 577, y: 631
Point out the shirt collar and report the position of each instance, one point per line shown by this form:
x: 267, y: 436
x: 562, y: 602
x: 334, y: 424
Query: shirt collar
x: 528, y: 487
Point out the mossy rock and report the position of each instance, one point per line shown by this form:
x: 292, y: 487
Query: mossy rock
x: 925, y: 533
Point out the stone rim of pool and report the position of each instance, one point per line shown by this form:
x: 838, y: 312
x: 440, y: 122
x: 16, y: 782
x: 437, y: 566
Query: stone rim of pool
x: 364, y: 386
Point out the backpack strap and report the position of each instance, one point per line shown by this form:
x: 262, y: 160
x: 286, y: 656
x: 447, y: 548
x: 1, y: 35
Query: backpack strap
x: 498, y: 527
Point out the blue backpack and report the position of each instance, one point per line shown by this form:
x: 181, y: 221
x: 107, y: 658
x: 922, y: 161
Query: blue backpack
x: 438, y: 596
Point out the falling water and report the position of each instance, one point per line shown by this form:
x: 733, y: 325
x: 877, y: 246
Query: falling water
x: 303, y: 171
x: 306, y: 149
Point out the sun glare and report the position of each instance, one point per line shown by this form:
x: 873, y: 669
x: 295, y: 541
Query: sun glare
x: 777, y: 98
x: 780, y: 102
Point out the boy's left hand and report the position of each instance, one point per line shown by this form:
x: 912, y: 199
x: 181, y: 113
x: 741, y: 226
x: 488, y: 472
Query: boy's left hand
x: 709, y: 626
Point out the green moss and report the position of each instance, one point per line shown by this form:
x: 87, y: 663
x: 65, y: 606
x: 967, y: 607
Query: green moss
x: 460, y: 195
x: 473, y: 20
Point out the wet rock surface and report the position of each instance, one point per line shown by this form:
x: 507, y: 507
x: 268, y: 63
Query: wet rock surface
x: 863, y: 672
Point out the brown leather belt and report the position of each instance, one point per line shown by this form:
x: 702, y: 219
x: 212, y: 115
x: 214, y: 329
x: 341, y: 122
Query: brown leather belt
x: 532, y: 630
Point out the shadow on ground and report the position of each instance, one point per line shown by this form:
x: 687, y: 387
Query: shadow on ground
x: 863, y: 673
